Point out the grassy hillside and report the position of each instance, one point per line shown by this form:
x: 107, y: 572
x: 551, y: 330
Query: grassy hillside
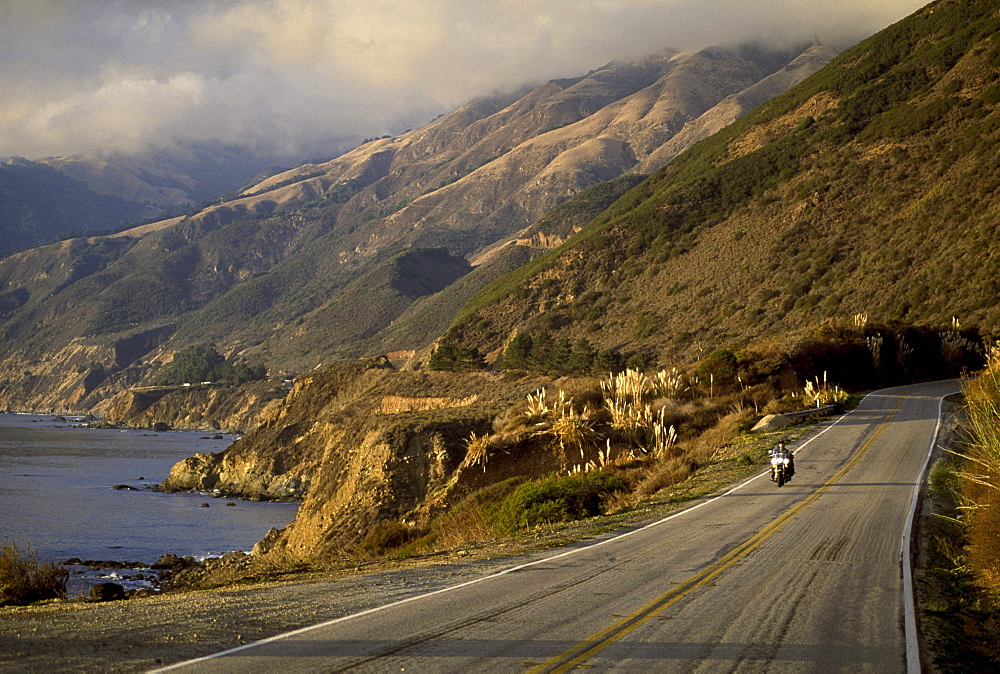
x: 870, y: 189
x: 304, y: 266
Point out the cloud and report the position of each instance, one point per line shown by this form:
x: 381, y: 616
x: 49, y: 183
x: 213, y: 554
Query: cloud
x: 296, y: 78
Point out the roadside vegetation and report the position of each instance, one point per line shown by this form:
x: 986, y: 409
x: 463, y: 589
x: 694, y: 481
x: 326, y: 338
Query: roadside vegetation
x: 961, y: 587
x: 24, y: 580
x: 981, y: 475
x: 657, y: 432
x: 621, y: 442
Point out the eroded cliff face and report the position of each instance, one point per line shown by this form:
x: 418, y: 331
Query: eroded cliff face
x: 233, y: 409
x: 60, y: 381
x: 360, y: 445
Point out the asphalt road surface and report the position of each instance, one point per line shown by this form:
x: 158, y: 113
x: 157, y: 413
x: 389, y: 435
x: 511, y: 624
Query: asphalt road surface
x: 804, y: 578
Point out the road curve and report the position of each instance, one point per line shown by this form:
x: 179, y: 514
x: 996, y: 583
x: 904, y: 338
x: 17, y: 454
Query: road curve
x: 803, y: 578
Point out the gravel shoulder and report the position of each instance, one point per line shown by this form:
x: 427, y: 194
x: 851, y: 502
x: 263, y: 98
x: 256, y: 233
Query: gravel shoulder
x: 143, y: 633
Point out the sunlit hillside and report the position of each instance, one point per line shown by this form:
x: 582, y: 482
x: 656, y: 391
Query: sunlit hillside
x: 869, y: 189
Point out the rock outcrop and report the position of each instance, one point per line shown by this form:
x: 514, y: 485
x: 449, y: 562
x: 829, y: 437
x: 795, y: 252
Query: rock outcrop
x: 364, y: 444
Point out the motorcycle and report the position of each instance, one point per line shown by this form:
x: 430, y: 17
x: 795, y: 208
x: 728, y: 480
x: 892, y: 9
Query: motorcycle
x: 781, y: 468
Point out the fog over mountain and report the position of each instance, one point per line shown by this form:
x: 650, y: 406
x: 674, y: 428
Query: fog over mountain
x: 309, y: 78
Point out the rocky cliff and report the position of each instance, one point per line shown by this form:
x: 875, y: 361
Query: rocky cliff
x: 233, y: 409
x: 362, y: 444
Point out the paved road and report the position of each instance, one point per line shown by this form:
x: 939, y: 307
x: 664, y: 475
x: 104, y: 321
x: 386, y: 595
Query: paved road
x: 803, y: 578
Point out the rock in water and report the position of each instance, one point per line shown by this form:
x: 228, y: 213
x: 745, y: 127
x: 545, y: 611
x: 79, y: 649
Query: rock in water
x: 172, y: 562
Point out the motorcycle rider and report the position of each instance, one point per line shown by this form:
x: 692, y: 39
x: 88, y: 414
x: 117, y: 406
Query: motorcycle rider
x: 780, y: 450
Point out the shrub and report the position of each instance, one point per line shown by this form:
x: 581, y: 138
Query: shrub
x: 720, y: 364
x: 385, y: 537
x: 467, y: 520
x: 23, y: 580
x: 556, y: 499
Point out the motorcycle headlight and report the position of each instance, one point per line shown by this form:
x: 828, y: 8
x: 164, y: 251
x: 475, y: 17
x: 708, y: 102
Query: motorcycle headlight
x: 775, y: 461
x: 785, y: 461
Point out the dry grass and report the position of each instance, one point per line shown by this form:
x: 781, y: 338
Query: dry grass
x: 664, y: 436
x: 961, y: 624
x: 628, y: 388
x: 477, y: 450
x: 982, y: 396
x: 466, y: 521
x: 667, y: 473
x: 627, y: 400
x: 572, y: 431
x: 982, y: 472
x: 571, y: 428
x: 537, y: 411
x: 984, y: 536
x: 400, y: 404
x: 955, y: 348
x: 822, y: 393
x: 669, y: 384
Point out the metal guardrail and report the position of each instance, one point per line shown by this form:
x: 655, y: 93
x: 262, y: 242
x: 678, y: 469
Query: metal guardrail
x: 811, y: 412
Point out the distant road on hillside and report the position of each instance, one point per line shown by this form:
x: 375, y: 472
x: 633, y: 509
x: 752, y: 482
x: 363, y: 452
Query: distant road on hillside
x: 802, y: 578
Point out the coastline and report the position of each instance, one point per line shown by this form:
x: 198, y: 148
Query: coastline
x: 83, y: 495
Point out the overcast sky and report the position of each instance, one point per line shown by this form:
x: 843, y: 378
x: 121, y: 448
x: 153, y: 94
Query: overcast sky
x: 305, y: 78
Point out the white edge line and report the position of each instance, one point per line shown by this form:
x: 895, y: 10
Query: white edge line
x: 352, y: 616
x: 909, y: 601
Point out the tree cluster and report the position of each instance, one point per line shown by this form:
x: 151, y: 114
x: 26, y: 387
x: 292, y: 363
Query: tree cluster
x: 203, y: 363
x: 449, y: 355
x: 544, y: 353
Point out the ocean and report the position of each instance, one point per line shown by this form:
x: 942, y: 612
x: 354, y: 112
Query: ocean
x: 57, y: 495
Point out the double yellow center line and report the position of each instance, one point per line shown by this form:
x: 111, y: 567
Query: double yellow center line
x: 588, y: 648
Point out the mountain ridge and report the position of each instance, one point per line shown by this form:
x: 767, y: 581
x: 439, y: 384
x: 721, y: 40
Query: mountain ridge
x: 867, y: 189
x: 95, y: 193
x: 250, y: 272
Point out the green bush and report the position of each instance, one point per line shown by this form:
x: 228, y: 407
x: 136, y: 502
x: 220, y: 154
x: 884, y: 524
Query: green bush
x: 556, y: 499
x: 720, y: 364
x: 23, y: 580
